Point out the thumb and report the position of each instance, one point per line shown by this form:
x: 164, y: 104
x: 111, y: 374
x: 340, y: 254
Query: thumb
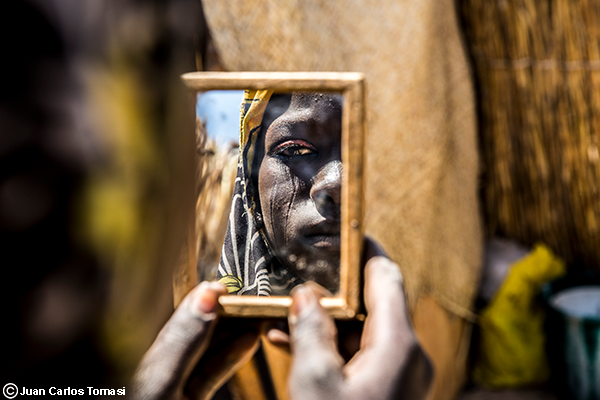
x: 317, y: 366
x: 168, y: 363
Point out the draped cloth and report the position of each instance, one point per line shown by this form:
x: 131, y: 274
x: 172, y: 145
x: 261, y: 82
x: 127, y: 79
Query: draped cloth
x: 248, y: 264
x: 421, y: 171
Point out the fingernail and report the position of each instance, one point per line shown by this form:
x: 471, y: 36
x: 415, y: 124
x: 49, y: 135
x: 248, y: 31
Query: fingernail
x: 301, y: 301
x: 276, y: 336
x: 217, y: 287
x: 206, y: 299
x: 393, y: 269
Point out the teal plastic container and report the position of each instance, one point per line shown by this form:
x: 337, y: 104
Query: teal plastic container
x: 573, y: 335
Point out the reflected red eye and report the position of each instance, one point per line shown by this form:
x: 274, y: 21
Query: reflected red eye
x: 294, y: 148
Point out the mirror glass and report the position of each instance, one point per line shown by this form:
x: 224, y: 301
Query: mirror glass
x: 285, y: 218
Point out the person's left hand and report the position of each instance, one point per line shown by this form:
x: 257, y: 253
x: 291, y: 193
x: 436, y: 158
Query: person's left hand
x: 192, y: 355
x: 389, y: 364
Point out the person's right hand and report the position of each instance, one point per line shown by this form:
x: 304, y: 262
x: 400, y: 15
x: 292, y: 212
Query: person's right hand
x: 193, y: 355
x: 390, y: 363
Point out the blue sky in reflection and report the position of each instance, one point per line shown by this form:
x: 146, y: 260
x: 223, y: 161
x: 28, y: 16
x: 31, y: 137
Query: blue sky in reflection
x: 220, y: 109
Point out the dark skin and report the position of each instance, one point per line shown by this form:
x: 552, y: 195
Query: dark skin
x: 299, y: 185
x: 191, y: 359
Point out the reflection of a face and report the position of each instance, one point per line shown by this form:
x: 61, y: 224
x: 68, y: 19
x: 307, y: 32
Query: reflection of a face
x: 299, y: 184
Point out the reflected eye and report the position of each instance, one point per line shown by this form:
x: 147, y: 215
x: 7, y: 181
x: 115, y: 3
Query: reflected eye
x: 294, y: 148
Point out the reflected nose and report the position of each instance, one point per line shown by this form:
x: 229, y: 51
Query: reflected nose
x: 326, y: 190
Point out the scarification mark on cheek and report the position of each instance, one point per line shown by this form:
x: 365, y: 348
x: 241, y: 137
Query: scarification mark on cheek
x: 279, y: 198
x: 272, y: 201
x: 295, y: 188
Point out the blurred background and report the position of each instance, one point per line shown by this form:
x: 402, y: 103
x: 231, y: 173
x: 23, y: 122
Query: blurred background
x: 97, y: 182
x: 482, y: 176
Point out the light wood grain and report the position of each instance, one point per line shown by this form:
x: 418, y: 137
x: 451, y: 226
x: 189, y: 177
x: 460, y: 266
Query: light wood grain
x: 346, y: 304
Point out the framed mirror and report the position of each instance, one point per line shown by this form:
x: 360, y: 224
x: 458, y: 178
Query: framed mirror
x: 297, y: 204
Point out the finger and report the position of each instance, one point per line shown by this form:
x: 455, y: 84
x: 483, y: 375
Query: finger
x: 386, y: 305
x: 316, y: 367
x: 169, y: 361
x: 389, y: 350
x: 278, y: 337
x: 277, y: 333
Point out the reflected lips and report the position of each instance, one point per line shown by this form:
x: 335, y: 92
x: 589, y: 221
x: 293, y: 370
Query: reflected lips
x: 325, y: 235
x: 329, y: 241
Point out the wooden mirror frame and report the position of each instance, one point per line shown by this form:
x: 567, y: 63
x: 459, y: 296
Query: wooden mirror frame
x: 346, y: 303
